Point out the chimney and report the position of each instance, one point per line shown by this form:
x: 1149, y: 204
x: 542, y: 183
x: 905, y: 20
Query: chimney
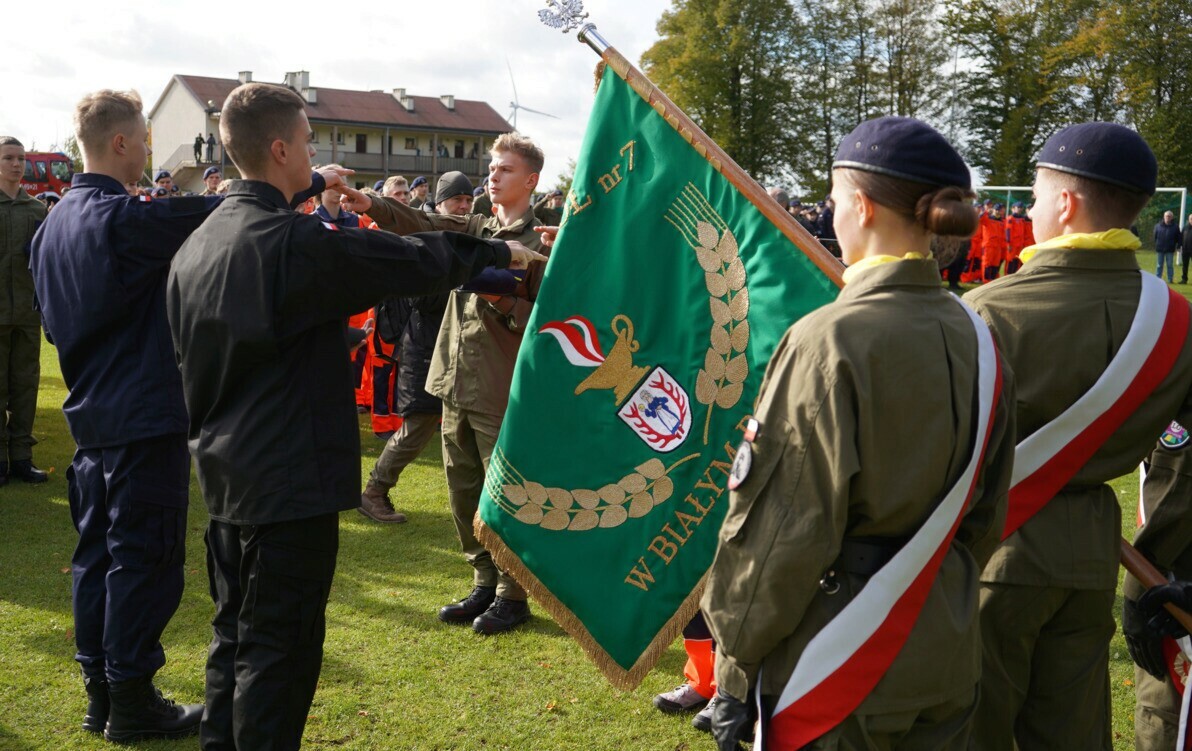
x: 298, y: 80
x: 408, y: 103
x: 245, y: 76
x: 448, y: 101
x: 399, y: 94
x: 310, y: 95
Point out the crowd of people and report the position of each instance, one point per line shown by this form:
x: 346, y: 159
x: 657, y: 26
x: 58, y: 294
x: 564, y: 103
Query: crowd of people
x: 967, y: 605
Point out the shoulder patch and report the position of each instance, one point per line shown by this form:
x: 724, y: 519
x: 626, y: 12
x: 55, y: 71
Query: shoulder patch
x: 1175, y: 436
x: 144, y: 199
x: 331, y: 226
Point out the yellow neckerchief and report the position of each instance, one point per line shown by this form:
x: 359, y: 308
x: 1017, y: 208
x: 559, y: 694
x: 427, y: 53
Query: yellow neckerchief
x: 866, y: 263
x: 1113, y: 239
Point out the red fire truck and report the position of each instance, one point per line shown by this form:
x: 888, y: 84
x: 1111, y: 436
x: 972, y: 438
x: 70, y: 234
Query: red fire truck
x: 46, y: 171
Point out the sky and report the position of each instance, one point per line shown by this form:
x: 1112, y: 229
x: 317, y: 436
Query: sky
x: 429, y: 48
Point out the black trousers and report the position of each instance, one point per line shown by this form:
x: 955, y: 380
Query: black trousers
x: 270, y: 585
x: 128, y: 504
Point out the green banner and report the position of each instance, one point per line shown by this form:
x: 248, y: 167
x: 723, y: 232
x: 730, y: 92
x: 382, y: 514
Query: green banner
x: 666, y: 293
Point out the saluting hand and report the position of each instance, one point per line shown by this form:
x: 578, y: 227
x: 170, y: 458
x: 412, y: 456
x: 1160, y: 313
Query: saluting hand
x: 522, y: 256
x: 334, y: 177
x: 548, y: 235
x: 353, y: 200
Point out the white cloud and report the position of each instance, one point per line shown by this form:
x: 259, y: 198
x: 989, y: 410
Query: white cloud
x: 430, y: 49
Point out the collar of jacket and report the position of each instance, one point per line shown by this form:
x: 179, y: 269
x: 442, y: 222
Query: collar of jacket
x: 20, y: 197
x: 867, y: 263
x: 106, y: 183
x: 911, y: 272
x: 519, y: 225
x: 259, y: 189
x: 1113, y: 239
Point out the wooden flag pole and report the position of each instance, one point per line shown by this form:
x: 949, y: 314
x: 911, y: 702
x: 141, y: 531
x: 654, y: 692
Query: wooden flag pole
x: 1137, y: 564
x: 720, y: 161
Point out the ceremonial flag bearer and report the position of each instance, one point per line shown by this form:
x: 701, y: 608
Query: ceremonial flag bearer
x: 1102, y: 355
x: 871, y: 485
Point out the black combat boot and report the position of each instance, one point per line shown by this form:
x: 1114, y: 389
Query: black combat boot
x: 140, y: 711
x: 97, y: 704
x: 466, y: 610
x: 502, y: 616
x: 23, y: 469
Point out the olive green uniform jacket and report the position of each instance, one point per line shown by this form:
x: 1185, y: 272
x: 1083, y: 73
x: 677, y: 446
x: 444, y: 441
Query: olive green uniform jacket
x: 472, y: 366
x: 1059, y: 321
x: 19, y: 218
x: 867, y: 420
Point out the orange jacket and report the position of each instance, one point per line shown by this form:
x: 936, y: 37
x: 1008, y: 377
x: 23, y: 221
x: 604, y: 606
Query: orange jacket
x: 993, y: 240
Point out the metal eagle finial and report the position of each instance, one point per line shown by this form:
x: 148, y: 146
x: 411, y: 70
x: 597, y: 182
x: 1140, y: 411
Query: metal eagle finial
x: 563, y: 15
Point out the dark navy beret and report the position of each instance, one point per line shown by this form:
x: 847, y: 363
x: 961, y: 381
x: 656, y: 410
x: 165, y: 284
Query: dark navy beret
x: 418, y: 181
x: 1107, y: 152
x: 378, y: 185
x: 210, y: 171
x: 160, y: 175
x: 905, y: 148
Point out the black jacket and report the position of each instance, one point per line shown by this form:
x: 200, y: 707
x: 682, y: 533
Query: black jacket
x: 257, y: 299
x: 1167, y: 236
x: 417, y: 348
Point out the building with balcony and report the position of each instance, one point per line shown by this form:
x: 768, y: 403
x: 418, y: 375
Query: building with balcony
x: 375, y: 133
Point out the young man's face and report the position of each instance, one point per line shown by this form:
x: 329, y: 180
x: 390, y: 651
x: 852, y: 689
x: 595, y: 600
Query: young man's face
x: 420, y: 191
x: 1045, y: 213
x: 399, y: 193
x: 458, y: 205
x: 138, y: 152
x: 510, y: 180
x: 212, y: 180
x: 299, y: 151
x: 165, y: 182
x: 12, y: 163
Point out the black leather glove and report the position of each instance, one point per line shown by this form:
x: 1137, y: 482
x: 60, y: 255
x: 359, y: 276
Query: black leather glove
x: 1146, y: 647
x: 732, y: 722
x: 1158, y: 620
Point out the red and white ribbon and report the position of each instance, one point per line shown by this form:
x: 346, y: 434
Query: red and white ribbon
x: 843, y: 662
x: 1047, y: 459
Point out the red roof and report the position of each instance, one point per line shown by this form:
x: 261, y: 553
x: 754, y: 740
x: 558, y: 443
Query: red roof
x: 374, y: 108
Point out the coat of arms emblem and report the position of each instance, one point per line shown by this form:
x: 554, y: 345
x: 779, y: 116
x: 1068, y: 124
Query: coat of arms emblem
x: 650, y: 401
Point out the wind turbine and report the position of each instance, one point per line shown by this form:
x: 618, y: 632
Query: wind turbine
x: 516, y: 105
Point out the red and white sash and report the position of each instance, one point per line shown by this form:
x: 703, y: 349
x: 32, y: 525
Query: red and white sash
x: 844, y: 661
x: 1047, y: 459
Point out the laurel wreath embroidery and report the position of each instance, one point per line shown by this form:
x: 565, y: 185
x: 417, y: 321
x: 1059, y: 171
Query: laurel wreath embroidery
x: 556, y: 509
x: 721, y: 381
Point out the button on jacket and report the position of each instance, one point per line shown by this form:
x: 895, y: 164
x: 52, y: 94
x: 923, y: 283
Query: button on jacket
x: 257, y: 301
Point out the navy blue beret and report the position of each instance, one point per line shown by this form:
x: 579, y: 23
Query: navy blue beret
x: 160, y: 174
x: 905, y: 148
x: 418, y: 181
x: 1107, y: 152
x: 378, y: 185
x: 210, y: 171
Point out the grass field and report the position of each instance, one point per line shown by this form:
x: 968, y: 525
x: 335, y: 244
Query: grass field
x: 393, y: 676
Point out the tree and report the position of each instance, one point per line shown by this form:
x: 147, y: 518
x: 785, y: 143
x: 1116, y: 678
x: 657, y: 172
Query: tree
x: 726, y: 64
x: 565, y: 178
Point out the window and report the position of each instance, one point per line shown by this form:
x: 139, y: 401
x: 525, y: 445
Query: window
x: 411, y: 144
x: 459, y: 149
x: 339, y: 137
x: 28, y: 170
x: 314, y: 136
x: 40, y: 168
x: 361, y: 143
x: 61, y: 170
